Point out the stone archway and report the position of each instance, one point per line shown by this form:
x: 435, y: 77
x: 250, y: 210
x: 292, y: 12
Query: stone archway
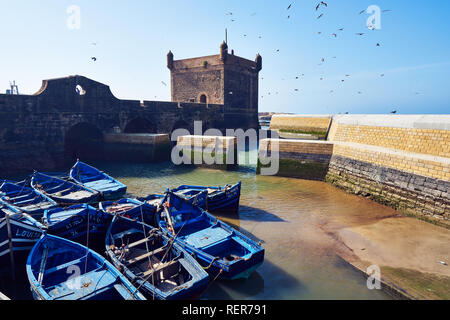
x: 83, y: 141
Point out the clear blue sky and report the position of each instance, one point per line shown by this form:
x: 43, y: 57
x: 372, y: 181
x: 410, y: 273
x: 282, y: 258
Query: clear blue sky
x: 133, y: 38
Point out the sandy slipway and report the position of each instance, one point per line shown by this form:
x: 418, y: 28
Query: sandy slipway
x: 412, y: 255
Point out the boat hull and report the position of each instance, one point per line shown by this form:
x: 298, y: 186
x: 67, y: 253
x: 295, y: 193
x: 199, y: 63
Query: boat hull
x: 221, y: 250
x: 59, y: 269
x: 25, y: 233
x: 218, y: 199
x: 195, y: 278
x: 76, y: 222
x: 92, y: 178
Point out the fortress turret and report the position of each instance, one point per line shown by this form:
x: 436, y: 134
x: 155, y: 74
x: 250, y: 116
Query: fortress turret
x: 218, y: 79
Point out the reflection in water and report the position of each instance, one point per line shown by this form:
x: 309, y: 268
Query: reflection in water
x: 287, y: 216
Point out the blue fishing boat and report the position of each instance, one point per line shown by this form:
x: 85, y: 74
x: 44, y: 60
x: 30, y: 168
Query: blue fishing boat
x: 92, y: 178
x: 153, y: 199
x: 61, y: 191
x: 218, y: 199
x: 23, y: 199
x: 160, y: 268
x: 119, y: 207
x: 79, y: 223
x: 24, y: 231
x: 130, y: 208
x: 59, y: 269
x: 224, y: 251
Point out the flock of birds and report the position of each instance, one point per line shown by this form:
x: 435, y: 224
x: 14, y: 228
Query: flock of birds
x: 319, y: 5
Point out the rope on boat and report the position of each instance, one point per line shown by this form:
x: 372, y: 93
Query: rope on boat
x: 150, y: 263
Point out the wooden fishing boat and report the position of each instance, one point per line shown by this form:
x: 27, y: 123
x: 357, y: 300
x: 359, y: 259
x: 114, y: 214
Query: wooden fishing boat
x: 61, y: 191
x: 130, y: 208
x: 218, y: 199
x: 59, y: 269
x: 153, y: 199
x: 18, y: 232
x: 80, y: 223
x: 160, y: 268
x: 224, y: 251
x: 92, y: 178
x: 24, y: 199
x: 119, y: 207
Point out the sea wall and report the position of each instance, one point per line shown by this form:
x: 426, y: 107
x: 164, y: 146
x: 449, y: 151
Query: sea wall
x: 207, y: 151
x: 57, y: 125
x: 136, y: 147
x: 316, y: 125
x: 402, y: 161
x: 423, y: 134
x: 299, y: 159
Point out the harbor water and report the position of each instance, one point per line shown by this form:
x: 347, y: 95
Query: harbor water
x: 292, y: 218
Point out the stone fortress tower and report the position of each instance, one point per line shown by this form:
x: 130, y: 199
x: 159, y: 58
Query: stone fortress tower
x: 218, y: 79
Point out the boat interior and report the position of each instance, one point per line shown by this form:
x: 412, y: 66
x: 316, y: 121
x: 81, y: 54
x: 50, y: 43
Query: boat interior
x: 151, y: 258
x: 77, y: 275
x: 196, y: 228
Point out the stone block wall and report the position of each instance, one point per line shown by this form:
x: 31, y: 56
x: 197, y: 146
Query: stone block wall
x: 299, y: 159
x: 402, y: 161
x: 143, y: 148
x: 414, y: 184
x: 424, y: 134
x: 309, y: 124
x: 208, y: 151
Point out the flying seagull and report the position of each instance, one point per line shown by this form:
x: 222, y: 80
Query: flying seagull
x: 289, y: 6
x: 164, y: 83
x: 94, y: 59
x: 362, y: 11
x: 321, y: 3
x: 378, y: 45
x: 320, y: 16
x: 360, y: 34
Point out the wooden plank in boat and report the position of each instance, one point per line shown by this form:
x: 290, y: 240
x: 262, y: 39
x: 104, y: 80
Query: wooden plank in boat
x: 135, y: 244
x: 144, y: 256
x: 159, y: 268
